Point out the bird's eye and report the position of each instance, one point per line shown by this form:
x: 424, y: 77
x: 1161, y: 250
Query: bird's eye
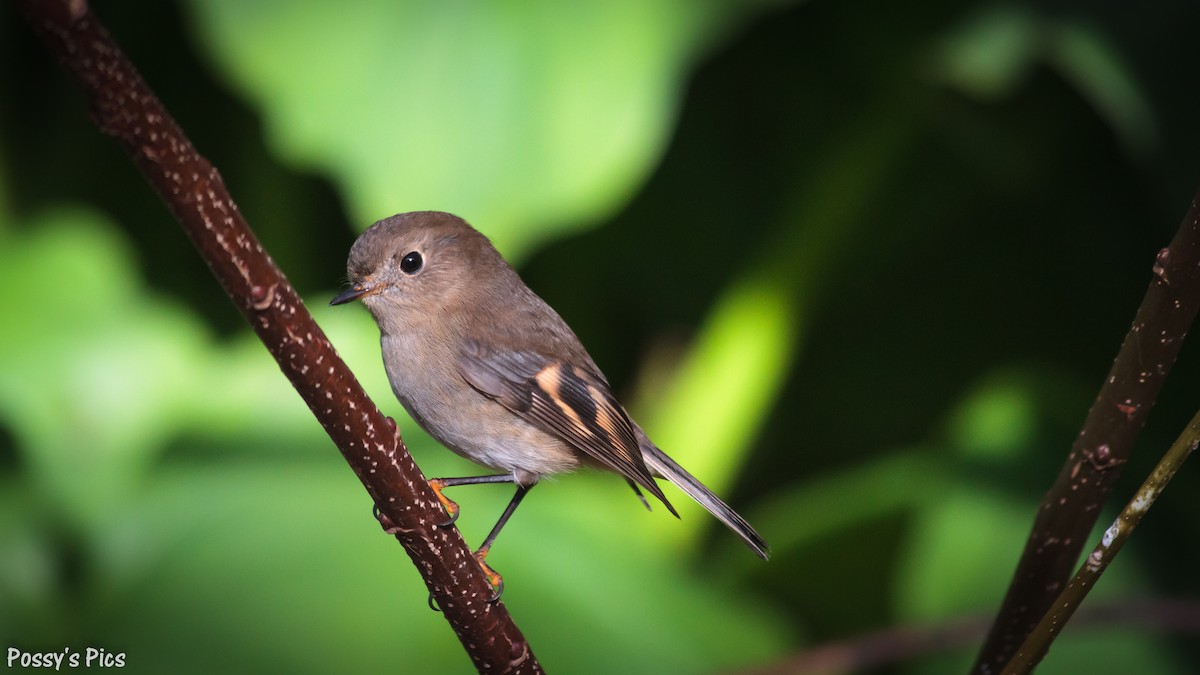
x: 411, y: 263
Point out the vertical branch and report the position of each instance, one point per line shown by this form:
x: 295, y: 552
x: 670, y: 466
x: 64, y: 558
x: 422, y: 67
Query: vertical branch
x: 124, y: 107
x: 1070, y: 509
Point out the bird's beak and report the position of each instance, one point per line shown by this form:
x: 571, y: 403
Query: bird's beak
x: 355, y: 292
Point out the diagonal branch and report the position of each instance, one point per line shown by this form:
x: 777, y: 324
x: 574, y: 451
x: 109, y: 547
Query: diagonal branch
x: 1034, y: 649
x: 124, y: 107
x: 1070, y: 509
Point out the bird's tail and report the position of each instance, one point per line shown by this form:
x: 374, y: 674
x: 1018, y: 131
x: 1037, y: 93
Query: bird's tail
x: 664, y: 466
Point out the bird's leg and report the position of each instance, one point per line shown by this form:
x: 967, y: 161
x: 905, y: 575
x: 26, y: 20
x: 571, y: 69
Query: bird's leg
x: 439, y: 484
x: 495, y: 579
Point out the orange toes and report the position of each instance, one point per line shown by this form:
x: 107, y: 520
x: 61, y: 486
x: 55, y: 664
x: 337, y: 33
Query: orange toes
x: 493, y: 577
x: 448, y: 505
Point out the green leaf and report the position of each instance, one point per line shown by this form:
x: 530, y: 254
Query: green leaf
x: 94, y: 373
x: 993, y: 51
x: 520, y: 117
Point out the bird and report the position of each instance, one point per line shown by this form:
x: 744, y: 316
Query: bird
x: 492, y: 372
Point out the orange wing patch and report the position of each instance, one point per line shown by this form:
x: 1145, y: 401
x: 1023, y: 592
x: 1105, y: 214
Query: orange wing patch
x: 585, y: 415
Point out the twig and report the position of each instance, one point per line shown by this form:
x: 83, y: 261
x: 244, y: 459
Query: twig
x: 1070, y: 509
x: 895, y: 645
x: 124, y: 107
x: 1038, y: 642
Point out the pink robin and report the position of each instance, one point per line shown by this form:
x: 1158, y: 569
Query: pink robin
x: 487, y: 368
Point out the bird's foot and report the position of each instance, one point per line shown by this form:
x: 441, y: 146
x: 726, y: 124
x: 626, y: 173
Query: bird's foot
x: 493, y: 577
x: 448, y: 504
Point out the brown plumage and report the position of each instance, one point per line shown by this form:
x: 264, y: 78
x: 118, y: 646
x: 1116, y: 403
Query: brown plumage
x: 491, y: 371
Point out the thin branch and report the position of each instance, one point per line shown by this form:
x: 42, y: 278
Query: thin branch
x: 1038, y: 642
x: 124, y: 107
x: 897, y: 645
x: 1070, y: 509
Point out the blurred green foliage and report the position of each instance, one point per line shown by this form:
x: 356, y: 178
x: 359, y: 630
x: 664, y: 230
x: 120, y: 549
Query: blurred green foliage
x: 859, y: 266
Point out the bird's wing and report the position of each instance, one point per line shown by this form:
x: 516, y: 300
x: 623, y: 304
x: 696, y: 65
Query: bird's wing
x: 565, y: 400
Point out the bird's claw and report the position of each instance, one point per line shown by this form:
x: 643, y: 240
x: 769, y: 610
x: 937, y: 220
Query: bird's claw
x: 448, y: 505
x: 493, y: 577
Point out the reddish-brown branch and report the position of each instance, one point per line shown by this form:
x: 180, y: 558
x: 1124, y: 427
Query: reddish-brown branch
x: 897, y: 645
x: 1070, y: 509
x: 124, y: 107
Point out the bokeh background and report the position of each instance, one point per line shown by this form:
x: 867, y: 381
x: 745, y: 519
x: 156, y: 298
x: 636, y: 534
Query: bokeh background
x: 860, y: 266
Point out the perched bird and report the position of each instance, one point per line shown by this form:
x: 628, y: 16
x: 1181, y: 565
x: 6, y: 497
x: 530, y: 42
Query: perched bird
x: 487, y: 368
